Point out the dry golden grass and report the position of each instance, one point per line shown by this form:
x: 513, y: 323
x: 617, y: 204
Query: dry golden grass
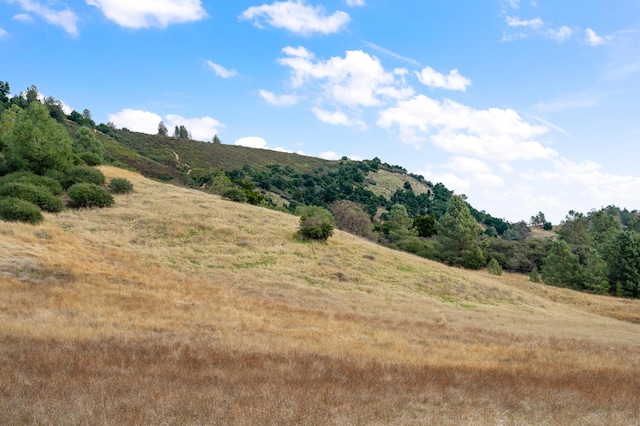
x: 179, y: 307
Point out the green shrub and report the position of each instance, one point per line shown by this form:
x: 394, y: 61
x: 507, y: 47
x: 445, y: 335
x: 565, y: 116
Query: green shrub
x: 534, y: 276
x: 28, y: 177
x: 120, y: 186
x: 548, y: 226
x: 89, y: 195
x: 316, y: 223
x: 17, y: 210
x: 40, y: 196
x: 82, y: 174
x: 234, y: 194
x: 494, y: 267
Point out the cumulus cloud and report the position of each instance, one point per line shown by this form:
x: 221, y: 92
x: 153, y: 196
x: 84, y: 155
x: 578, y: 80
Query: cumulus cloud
x: 278, y: 100
x: 136, y: 120
x: 496, y: 134
x: 251, y: 142
x: 329, y: 155
x: 65, y: 19
x: 297, y: 17
x: 594, y: 39
x: 561, y: 34
x: 146, y: 14
x: 358, y: 79
x: 454, y: 81
x: 337, y: 118
x: 202, y: 128
x: 221, y: 71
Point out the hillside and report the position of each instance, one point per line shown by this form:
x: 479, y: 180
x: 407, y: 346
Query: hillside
x: 176, y: 306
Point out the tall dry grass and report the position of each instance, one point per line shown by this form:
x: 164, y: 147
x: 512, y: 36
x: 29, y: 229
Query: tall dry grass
x: 178, y: 307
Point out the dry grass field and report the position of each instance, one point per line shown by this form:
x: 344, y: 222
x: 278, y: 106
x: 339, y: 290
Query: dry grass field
x: 178, y: 307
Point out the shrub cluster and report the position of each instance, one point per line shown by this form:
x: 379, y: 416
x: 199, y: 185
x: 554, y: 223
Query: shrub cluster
x: 29, y: 177
x: 234, y: 194
x: 120, y: 186
x: 17, y: 210
x: 89, y: 195
x: 40, y: 196
x: 82, y: 174
x: 494, y: 267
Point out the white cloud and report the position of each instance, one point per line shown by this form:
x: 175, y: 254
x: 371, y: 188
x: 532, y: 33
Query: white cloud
x: 495, y: 134
x: 392, y: 54
x: 278, y: 100
x: 252, y: 142
x: 62, y: 18
x: 355, y: 3
x: 358, y: 79
x: 221, y: 71
x: 3, y: 34
x: 594, y: 39
x: 202, y: 128
x: 297, y: 17
x: 145, y: 14
x: 488, y: 180
x: 136, y: 120
x: 467, y: 165
x: 517, y: 22
x: 454, y: 81
x: 336, y: 118
x: 568, y: 103
x: 23, y: 17
x: 329, y: 155
x: 561, y: 34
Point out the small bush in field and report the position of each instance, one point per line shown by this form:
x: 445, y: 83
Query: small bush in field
x: 17, y: 210
x: 120, y: 186
x: 82, y: 174
x: 89, y: 195
x: 494, y: 267
x: 234, y: 194
x: 316, y: 223
x: 534, y: 276
x: 40, y: 196
x: 29, y: 177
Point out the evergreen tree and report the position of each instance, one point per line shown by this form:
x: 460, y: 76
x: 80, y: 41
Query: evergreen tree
x: 561, y: 267
x: 37, y: 142
x: 399, y: 224
x: 216, y: 140
x: 458, y: 236
x: 176, y: 132
x: 595, y: 273
x: 88, y: 147
x: 162, y: 129
x: 622, y: 255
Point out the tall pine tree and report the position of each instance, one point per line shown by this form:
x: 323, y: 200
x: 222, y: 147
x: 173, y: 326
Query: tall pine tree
x: 458, y: 236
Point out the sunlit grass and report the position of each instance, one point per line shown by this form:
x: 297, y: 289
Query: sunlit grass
x: 175, y: 306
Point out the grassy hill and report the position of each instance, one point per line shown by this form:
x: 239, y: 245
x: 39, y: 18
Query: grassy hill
x: 176, y: 306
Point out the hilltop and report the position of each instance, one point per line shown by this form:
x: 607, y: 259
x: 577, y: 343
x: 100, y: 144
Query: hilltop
x: 176, y: 305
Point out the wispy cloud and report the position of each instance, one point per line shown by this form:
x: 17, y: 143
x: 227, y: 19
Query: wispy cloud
x: 3, y: 34
x: 66, y: 19
x: 392, y: 54
x: 278, y: 100
x: 221, y: 71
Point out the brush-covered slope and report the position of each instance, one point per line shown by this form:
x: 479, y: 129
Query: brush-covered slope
x: 176, y: 306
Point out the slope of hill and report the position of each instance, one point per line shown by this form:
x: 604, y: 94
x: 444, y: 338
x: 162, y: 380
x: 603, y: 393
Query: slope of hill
x: 176, y: 306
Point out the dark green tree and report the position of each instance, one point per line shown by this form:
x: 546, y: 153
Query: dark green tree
x: 37, y: 142
x: 426, y: 226
x: 595, y: 273
x: 458, y: 236
x: 216, y: 140
x: 400, y: 226
x: 622, y: 255
x: 575, y: 229
x: 561, y: 267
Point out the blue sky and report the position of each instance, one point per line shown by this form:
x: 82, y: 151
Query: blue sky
x: 522, y: 105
